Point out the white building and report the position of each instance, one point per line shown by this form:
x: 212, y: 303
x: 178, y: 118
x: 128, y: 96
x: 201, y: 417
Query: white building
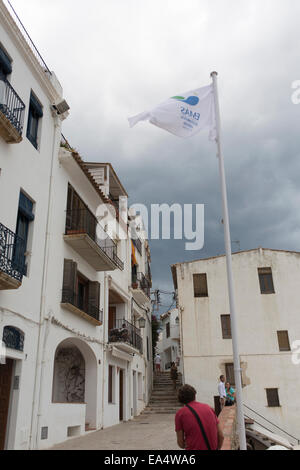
x: 266, y: 288
x: 169, y: 340
x: 75, y: 309
x: 30, y: 131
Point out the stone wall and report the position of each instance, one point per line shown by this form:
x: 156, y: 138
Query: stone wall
x: 227, y: 420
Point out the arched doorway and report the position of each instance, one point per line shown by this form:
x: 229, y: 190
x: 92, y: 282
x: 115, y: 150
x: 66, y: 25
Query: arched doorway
x: 75, y: 377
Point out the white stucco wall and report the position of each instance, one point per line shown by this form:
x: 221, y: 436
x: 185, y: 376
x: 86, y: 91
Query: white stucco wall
x: 260, y: 316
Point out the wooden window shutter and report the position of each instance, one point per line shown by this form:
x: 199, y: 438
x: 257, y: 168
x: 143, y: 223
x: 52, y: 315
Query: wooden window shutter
x: 200, y: 285
x: 273, y: 397
x: 69, y: 280
x: 226, y: 326
x: 168, y: 330
x: 266, y: 281
x: 94, y: 296
x: 230, y: 374
x: 283, y: 340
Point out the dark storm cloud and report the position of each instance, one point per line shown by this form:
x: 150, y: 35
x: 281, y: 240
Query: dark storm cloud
x: 117, y: 58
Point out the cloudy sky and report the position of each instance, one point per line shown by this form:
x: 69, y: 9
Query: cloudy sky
x: 116, y: 58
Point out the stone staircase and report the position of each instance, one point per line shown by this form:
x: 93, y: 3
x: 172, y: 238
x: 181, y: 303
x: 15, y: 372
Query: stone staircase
x: 164, y: 397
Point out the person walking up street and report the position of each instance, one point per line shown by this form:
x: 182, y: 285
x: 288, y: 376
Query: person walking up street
x: 157, y: 362
x: 196, y: 424
x: 174, y: 374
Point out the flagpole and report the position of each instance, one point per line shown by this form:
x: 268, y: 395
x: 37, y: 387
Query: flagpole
x: 234, y: 329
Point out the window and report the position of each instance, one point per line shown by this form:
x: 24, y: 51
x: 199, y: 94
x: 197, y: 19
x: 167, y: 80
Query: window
x: 110, y: 383
x: 273, y: 397
x: 226, y: 326
x: 283, y: 341
x: 229, y: 372
x: 168, y: 331
x: 13, y: 338
x: 229, y: 368
x: 266, y: 281
x: 5, y: 64
x: 35, y: 113
x: 200, y: 285
x: 25, y: 217
x: 79, y: 291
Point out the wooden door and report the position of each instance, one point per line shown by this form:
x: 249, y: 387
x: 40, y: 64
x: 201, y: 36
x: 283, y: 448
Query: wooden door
x: 112, y: 318
x: 5, y: 387
x: 121, y: 395
x: 217, y: 405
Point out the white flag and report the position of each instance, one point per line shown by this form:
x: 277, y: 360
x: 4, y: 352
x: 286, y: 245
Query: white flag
x: 184, y: 115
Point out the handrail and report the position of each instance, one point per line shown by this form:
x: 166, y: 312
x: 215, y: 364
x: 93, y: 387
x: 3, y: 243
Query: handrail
x: 270, y: 422
x: 26, y: 36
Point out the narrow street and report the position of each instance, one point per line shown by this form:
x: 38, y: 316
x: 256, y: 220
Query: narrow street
x: 147, y: 432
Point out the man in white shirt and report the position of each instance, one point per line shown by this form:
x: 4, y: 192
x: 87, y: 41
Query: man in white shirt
x: 157, y: 362
x: 222, y: 391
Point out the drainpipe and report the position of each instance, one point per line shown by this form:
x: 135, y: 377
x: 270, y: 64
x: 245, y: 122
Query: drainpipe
x: 39, y: 359
x: 105, y: 317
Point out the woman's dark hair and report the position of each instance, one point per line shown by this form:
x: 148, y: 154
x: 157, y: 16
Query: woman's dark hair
x: 186, y: 394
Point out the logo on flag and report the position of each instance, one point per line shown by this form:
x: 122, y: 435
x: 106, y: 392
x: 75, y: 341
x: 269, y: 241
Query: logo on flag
x: 184, y: 114
x: 191, y: 100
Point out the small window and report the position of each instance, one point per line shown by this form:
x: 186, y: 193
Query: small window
x: 35, y: 113
x: 226, y: 326
x: 273, y: 397
x: 229, y: 368
x: 200, y: 285
x: 266, y: 281
x: 229, y: 372
x: 5, y: 63
x: 283, y: 341
x: 25, y: 217
x: 168, y: 332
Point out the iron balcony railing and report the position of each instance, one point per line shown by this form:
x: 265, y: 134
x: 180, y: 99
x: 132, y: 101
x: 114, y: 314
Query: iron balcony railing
x: 139, y: 281
x: 12, y: 253
x: 11, y: 105
x: 78, y: 301
x: 83, y: 221
x: 125, y: 332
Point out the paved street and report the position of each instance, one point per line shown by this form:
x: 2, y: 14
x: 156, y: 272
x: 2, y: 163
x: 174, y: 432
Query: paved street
x: 148, y: 432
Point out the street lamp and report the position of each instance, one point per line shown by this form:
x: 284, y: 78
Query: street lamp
x: 142, y: 322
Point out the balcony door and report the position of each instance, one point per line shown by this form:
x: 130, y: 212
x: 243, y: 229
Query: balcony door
x: 6, y: 371
x: 112, y: 313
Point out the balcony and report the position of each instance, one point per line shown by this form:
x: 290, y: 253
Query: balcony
x: 127, y: 337
x: 79, y: 306
x: 12, y: 249
x: 86, y: 236
x: 12, y: 111
x: 141, y: 288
